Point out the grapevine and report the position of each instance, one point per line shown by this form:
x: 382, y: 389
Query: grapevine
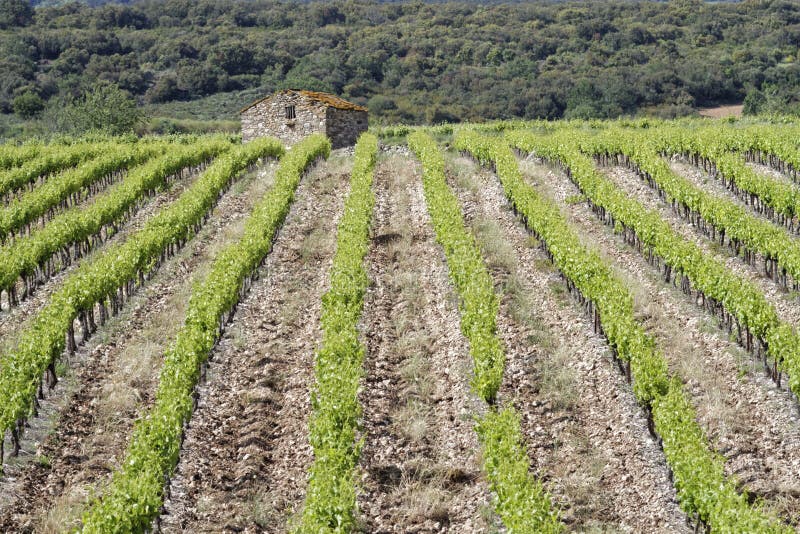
x: 135, y: 494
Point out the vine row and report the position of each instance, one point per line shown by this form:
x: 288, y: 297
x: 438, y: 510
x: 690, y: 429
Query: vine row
x: 740, y: 305
x: 772, y: 198
x: 330, y: 503
x: 16, y: 155
x: 765, y: 144
x: 521, y: 501
x: 135, y: 496
x: 65, y: 190
x: 717, y: 217
x: 698, y: 473
x: 98, y: 288
x: 48, y: 161
x: 72, y: 234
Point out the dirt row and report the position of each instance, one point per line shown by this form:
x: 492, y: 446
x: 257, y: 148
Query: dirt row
x: 420, y: 465
x: 773, y: 173
x: 86, y: 424
x: 586, y: 436
x: 753, y: 424
x: 245, y: 455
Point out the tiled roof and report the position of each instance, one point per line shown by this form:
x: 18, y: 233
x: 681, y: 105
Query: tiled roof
x: 323, y: 98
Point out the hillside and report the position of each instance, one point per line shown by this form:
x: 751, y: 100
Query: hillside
x: 409, y: 62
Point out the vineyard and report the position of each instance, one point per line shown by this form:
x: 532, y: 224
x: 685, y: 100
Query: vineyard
x: 522, y: 327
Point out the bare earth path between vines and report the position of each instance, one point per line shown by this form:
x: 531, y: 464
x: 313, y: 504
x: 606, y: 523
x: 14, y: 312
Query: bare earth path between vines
x: 775, y: 174
x: 776, y: 294
x: 748, y: 420
x: 244, y: 459
x: 420, y: 464
x: 586, y: 436
x: 114, y: 376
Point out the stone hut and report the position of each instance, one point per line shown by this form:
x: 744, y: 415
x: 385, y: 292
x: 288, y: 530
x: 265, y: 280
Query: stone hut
x: 290, y: 115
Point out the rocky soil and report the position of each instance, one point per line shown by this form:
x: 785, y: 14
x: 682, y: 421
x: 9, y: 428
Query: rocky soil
x: 420, y: 464
x: 245, y: 455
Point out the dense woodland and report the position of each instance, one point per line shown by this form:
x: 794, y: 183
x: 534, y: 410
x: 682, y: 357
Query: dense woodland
x: 409, y: 62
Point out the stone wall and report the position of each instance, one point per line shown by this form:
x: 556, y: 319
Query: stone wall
x: 268, y: 118
x: 344, y: 126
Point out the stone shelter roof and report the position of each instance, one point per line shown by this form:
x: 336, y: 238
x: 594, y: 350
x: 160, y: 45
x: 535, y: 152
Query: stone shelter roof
x: 316, y: 96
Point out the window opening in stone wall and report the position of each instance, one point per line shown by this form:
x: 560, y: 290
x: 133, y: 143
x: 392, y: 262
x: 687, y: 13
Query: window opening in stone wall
x: 290, y: 112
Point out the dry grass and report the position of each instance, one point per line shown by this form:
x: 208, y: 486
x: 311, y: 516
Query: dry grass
x: 423, y: 490
x: 497, y: 251
x: 315, y: 244
x: 326, y: 178
x: 412, y: 421
x: 413, y: 346
x: 120, y: 395
x: 424, y: 500
x: 411, y: 292
x: 339, y: 162
x: 581, y: 481
x: 139, y: 361
x: 557, y: 379
x: 64, y: 513
x: 398, y: 167
x: 264, y: 513
x: 519, y: 300
x: 464, y: 170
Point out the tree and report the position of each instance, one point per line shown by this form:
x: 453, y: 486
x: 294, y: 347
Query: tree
x: 196, y: 78
x: 754, y: 102
x: 15, y: 13
x: 233, y: 58
x: 164, y: 90
x: 28, y: 105
x: 104, y: 108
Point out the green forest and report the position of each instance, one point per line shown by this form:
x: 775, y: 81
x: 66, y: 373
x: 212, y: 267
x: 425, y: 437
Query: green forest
x: 410, y: 62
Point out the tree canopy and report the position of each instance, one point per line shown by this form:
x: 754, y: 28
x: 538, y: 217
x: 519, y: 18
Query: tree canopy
x: 412, y: 62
